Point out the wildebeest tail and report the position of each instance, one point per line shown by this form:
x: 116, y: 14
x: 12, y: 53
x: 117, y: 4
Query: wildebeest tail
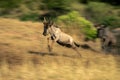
x: 78, y: 45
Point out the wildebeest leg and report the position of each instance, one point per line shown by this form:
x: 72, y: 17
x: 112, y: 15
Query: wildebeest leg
x: 49, y: 47
x: 106, y: 45
x: 75, y: 48
x: 103, y: 43
x: 52, y: 44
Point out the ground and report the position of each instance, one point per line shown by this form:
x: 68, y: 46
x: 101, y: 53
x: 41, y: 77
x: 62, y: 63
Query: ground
x: 24, y: 56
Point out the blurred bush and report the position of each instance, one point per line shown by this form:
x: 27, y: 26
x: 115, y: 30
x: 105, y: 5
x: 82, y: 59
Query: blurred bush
x: 29, y: 16
x: 84, y: 1
x: 104, y: 13
x: 55, y: 8
x: 73, y: 19
x: 9, y: 3
x: 112, y: 2
x: 57, y: 5
x: 6, y: 6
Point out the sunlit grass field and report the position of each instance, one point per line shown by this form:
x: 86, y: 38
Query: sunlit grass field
x: 24, y: 56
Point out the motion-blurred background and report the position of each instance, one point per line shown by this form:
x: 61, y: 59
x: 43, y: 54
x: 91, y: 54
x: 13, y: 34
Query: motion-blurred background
x: 23, y: 48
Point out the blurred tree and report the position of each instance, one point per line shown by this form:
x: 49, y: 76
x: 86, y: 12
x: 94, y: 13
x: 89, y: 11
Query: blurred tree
x: 103, y: 13
x: 54, y: 8
x: 57, y: 5
x: 9, y: 3
x: 84, y: 1
x: 7, y: 6
x: 113, y: 2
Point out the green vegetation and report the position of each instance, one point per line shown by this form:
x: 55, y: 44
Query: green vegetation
x: 57, y: 5
x: 30, y: 16
x: 113, y: 2
x: 104, y: 13
x: 8, y: 4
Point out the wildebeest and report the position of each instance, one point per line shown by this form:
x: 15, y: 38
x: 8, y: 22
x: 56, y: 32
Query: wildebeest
x: 108, y: 40
x: 56, y: 35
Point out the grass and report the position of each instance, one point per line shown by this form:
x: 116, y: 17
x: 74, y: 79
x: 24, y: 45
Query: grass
x: 24, y: 56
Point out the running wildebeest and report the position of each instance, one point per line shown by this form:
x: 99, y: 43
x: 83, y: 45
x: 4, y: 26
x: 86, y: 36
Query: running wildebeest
x: 108, y: 40
x: 56, y: 35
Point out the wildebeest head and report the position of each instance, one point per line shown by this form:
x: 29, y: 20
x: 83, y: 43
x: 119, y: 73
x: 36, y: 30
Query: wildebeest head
x: 47, y: 25
x: 99, y: 26
x: 100, y: 30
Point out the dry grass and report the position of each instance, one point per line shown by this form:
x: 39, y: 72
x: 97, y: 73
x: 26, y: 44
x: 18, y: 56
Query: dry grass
x: 24, y: 56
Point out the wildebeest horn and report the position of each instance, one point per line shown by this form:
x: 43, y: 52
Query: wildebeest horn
x: 45, y: 20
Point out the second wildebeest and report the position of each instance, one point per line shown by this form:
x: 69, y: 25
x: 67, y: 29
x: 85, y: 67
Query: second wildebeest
x: 108, y: 40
